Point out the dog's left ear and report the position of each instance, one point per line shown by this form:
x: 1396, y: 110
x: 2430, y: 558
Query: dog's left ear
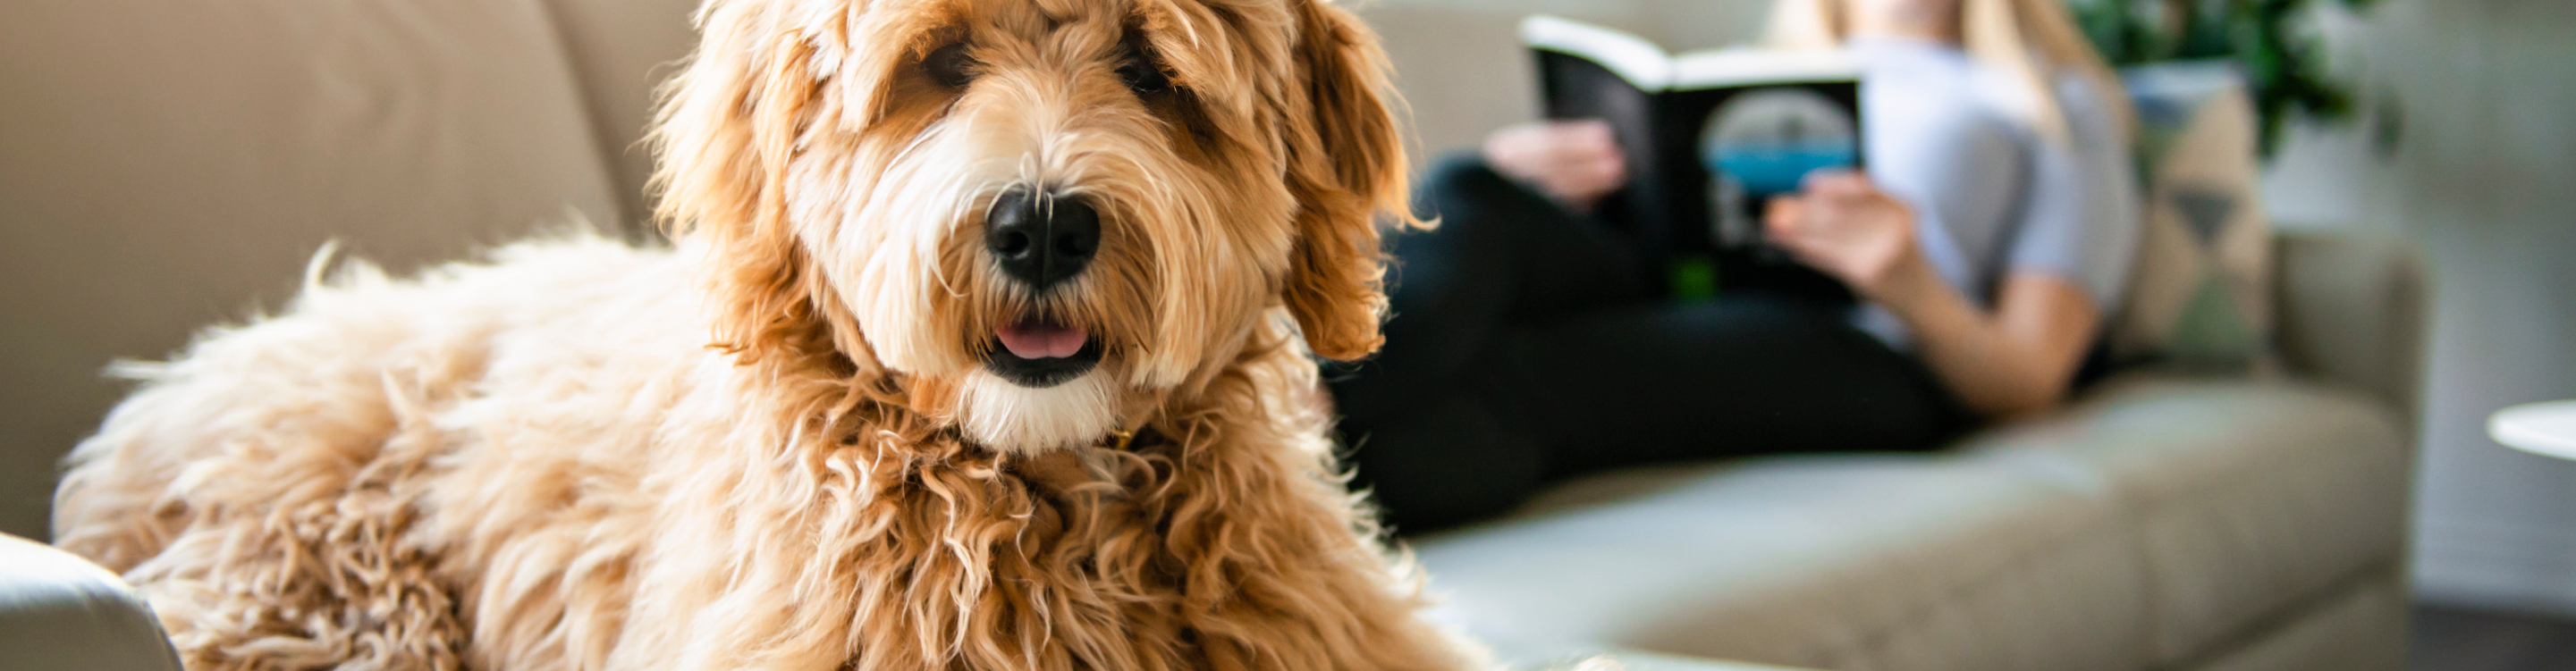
x: 1347, y: 168
x: 726, y: 129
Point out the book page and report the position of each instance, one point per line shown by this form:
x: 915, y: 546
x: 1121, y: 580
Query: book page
x: 1633, y: 58
x: 1740, y: 66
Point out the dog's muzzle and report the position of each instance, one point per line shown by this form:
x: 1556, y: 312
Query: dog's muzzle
x: 1042, y: 240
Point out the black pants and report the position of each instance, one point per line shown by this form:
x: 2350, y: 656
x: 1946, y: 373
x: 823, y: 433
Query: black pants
x: 1527, y: 345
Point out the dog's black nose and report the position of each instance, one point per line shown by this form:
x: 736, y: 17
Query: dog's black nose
x: 1041, y: 239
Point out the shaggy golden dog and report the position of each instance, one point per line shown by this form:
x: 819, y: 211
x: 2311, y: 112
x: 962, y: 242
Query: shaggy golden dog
x: 982, y: 345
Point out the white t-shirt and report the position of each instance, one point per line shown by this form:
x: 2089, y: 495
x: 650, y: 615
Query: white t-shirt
x: 1991, y: 196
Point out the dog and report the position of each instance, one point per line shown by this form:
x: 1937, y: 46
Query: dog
x: 985, y: 338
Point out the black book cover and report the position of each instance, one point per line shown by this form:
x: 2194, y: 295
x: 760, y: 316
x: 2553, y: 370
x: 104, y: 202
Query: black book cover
x: 1710, y: 137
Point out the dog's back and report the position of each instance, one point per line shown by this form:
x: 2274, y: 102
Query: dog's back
x: 299, y: 479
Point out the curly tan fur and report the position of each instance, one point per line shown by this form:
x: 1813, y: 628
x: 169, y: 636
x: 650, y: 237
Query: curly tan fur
x: 771, y: 446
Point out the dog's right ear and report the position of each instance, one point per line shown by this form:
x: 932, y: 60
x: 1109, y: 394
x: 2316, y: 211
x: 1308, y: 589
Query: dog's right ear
x: 725, y: 132
x: 1347, y: 165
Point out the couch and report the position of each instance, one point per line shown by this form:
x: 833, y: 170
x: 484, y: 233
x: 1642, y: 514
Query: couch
x: 2164, y: 521
x: 163, y: 165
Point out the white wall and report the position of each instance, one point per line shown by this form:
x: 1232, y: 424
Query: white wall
x: 2484, y: 178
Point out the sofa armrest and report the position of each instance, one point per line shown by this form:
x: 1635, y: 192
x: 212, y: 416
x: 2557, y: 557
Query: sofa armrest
x: 58, y: 611
x: 2351, y: 313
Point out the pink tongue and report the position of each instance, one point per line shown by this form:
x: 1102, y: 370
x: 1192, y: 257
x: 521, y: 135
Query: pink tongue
x: 1042, y: 341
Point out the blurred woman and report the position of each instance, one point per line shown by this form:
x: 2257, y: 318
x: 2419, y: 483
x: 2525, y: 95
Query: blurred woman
x: 1989, y: 238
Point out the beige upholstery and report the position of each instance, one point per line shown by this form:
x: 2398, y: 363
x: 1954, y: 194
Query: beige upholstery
x: 59, y: 613
x: 2359, y: 628
x: 2352, y: 312
x: 620, y: 50
x: 2244, y: 498
x: 169, y: 165
x: 1846, y: 562
x: 2161, y: 521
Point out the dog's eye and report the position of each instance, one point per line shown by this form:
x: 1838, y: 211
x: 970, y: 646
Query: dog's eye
x: 1143, y: 76
x: 949, y: 66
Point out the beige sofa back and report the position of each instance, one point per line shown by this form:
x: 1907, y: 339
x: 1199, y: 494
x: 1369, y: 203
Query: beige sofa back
x: 169, y: 165
x: 621, y: 50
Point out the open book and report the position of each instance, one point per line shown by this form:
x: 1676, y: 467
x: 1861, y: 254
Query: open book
x: 1710, y: 136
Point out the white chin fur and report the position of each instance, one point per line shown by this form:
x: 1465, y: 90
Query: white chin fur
x: 1012, y: 418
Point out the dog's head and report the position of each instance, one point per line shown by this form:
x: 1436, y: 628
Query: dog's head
x: 1037, y: 214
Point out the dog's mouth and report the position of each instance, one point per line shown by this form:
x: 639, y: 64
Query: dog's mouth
x: 1038, y: 352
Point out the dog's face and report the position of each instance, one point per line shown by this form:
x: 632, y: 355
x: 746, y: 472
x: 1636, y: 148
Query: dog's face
x: 1040, y: 214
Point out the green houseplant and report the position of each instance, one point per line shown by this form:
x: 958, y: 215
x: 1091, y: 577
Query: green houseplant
x: 2264, y: 37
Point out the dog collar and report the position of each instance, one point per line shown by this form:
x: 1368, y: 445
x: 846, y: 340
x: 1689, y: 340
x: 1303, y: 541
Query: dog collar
x: 1122, y: 439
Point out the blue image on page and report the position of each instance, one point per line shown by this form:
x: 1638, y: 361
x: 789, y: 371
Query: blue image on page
x: 1768, y: 140
x: 1762, y: 143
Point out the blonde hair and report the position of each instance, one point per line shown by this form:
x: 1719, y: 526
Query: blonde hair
x: 2027, y: 40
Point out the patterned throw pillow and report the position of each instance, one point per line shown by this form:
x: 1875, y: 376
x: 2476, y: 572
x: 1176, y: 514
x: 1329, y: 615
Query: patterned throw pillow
x: 2200, y: 295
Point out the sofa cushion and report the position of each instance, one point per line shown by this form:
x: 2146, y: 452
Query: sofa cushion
x: 620, y: 50
x: 2200, y: 294
x: 2246, y: 497
x: 58, y: 611
x: 1838, y: 562
x: 2356, y: 628
x: 168, y: 165
x: 2144, y: 526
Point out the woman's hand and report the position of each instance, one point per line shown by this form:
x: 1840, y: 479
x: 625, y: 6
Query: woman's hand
x: 1843, y: 225
x: 1575, y: 162
x: 2012, y: 360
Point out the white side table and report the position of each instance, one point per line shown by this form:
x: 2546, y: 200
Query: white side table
x: 2547, y: 429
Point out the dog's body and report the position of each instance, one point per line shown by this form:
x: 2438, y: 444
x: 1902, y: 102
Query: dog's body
x: 827, y: 429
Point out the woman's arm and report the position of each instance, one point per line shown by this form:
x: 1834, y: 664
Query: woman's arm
x: 2016, y: 359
